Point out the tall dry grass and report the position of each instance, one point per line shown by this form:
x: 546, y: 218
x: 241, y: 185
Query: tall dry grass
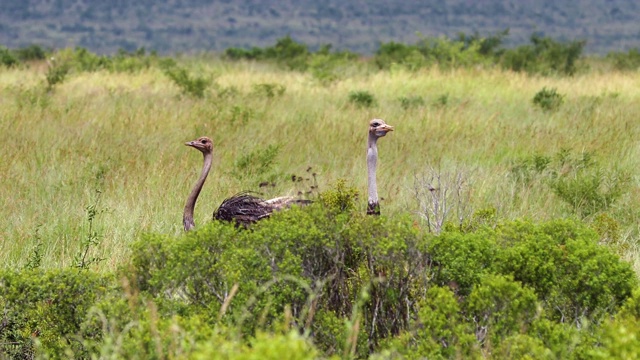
x: 115, y: 141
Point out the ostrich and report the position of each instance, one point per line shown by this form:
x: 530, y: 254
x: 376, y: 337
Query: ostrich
x: 242, y: 208
x: 377, y: 128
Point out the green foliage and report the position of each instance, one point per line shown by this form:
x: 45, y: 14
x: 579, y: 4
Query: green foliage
x: 286, y: 52
x: 544, y: 56
x: 569, y: 271
x: 48, y: 306
x: 577, y: 179
x: 548, y: 99
x: 393, y: 52
x: 362, y: 98
x: 82, y: 60
x: 35, y: 258
x: 487, y: 46
x: 30, y: 53
x: 440, y: 330
x: 465, y: 51
x: 341, y: 198
x: 7, y: 58
x: 337, y: 277
x: 56, y: 73
x: 291, y: 345
x: 629, y: 61
x: 83, y: 259
x: 502, y: 307
x: 269, y: 90
x: 191, y: 85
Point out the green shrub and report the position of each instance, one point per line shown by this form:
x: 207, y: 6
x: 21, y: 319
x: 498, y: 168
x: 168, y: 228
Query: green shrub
x: 269, y: 90
x: 326, y: 65
x: 56, y: 73
x: 83, y: 60
x: 574, y: 276
x: 408, y: 102
x: 629, y: 61
x: 462, y: 260
x: 191, y: 85
x: 544, y: 56
x: 439, y: 331
x: 7, y: 58
x: 362, y: 98
x: 548, y: 99
x: 501, y: 308
x: 327, y: 280
x: 263, y: 345
x: 30, y: 53
x: 48, y: 306
x: 393, y: 52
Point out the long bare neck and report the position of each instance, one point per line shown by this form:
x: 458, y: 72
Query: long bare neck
x: 187, y: 217
x: 373, y: 207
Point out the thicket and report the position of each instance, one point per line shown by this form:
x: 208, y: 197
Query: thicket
x: 325, y: 281
x: 543, y: 55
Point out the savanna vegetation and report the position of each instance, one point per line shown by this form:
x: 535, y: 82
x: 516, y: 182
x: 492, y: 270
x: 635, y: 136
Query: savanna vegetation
x: 509, y: 189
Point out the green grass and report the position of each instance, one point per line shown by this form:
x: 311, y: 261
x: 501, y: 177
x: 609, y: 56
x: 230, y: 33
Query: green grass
x: 123, y: 135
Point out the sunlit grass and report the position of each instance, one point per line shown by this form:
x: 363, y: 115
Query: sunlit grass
x: 122, y: 135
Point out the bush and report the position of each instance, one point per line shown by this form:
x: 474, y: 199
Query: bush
x: 629, y: 61
x: 548, y: 99
x: 56, y: 73
x: 574, y: 276
x: 269, y: 90
x: 327, y: 280
x: 191, y: 85
x: 7, y: 58
x: 47, y: 306
x: 31, y: 52
x: 362, y: 98
x: 544, y: 56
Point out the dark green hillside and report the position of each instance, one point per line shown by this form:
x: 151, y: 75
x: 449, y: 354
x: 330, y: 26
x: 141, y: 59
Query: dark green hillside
x: 360, y: 25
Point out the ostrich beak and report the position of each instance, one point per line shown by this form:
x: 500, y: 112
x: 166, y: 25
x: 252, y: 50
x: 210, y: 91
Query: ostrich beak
x: 190, y: 143
x: 385, y: 128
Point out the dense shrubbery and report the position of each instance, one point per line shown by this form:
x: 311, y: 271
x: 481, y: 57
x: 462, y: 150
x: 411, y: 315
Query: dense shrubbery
x: 625, y: 61
x: 544, y: 56
x: 327, y: 280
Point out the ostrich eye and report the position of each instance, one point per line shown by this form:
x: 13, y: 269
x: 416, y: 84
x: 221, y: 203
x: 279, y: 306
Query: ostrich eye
x: 204, y: 141
x: 375, y: 124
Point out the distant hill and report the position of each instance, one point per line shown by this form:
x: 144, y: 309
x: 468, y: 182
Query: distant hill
x: 203, y: 25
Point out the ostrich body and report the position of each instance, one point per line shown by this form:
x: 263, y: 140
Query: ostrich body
x: 377, y: 129
x: 242, y: 208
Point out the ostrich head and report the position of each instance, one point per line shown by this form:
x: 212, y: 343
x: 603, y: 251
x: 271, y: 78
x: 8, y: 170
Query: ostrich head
x: 204, y: 144
x: 378, y: 128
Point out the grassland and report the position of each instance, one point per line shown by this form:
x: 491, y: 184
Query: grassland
x: 113, y: 142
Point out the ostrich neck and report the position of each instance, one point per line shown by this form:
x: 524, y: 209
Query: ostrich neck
x: 187, y: 218
x: 372, y: 161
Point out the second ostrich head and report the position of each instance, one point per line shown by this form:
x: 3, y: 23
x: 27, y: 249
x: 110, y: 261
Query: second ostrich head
x: 377, y: 129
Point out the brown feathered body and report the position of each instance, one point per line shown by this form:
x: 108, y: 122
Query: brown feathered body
x: 242, y: 208
x: 245, y: 208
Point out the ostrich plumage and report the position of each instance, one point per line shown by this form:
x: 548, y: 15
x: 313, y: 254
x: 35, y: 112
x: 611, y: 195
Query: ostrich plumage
x: 242, y: 208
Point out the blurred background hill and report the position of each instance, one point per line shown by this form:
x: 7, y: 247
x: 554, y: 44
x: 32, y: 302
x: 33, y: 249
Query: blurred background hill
x: 360, y: 25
